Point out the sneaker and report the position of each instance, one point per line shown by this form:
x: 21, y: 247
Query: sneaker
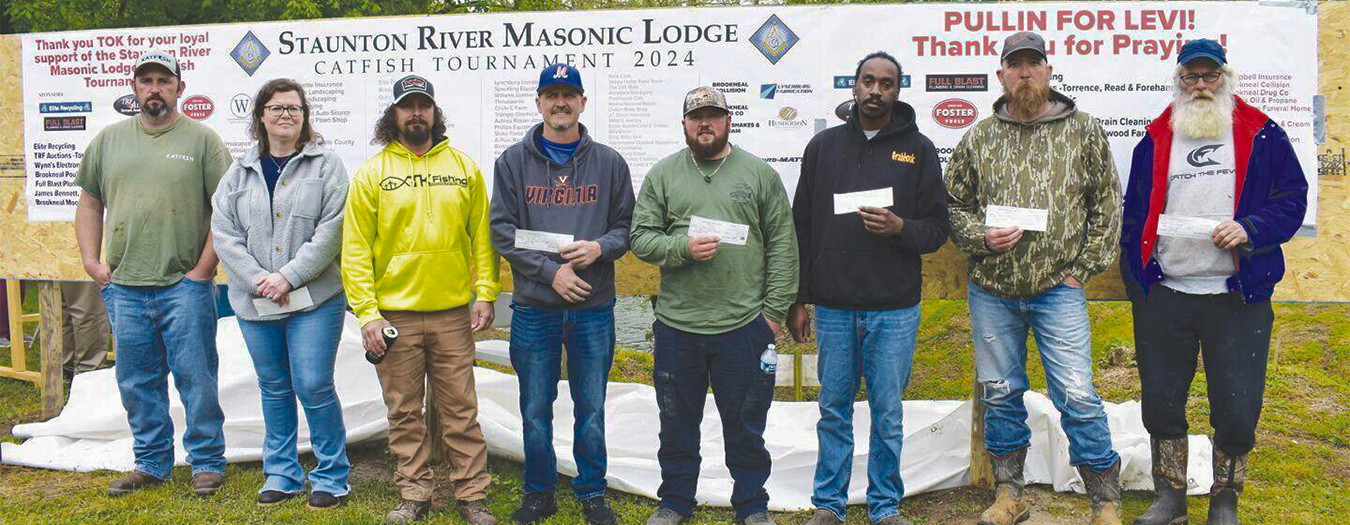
x: 597, y: 511
x: 273, y: 497
x: 758, y: 518
x: 207, y: 483
x: 321, y: 500
x: 407, y: 511
x: 894, y: 520
x: 476, y: 513
x: 534, y: 508
x: 132, y: 482
x: 824, y: 517
x: 665, y: 516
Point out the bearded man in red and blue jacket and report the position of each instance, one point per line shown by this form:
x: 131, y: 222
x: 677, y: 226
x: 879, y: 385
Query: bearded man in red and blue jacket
x: 1215, y: 189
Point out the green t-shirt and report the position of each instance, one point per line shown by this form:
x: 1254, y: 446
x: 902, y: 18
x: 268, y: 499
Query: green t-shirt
x: 156, y: 187
x: 740, y: 282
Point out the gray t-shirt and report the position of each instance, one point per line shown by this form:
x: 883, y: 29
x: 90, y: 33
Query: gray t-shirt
x: 1200, y: 183
x: 156, y: 187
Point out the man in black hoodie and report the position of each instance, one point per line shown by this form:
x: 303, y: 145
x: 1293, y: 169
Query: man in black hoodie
x: 561, y: 208
x: 870, y: 201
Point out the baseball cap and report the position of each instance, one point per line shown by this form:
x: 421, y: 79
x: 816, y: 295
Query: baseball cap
x: 413, y: 84
x: 705, y: 97
x: 158, y: 58
x: 560, y: 74
x: 1202, y: 48
x: 1023, y: 40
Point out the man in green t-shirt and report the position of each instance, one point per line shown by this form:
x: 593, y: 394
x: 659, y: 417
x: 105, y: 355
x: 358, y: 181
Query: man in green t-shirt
x: 154, y: 175
x: 716, y: 219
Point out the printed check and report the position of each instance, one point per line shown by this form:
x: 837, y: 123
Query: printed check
x: 1030, y: 219
x: 1185, y: 226
x: 542, y: 241
x: 850, y: 202
x: 727, y: 232
x: 299, y: 300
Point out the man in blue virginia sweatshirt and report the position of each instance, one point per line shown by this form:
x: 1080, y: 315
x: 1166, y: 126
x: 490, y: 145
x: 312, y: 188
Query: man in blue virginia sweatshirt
x: 561, y: 208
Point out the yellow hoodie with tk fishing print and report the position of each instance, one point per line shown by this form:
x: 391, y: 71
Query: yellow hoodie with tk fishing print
x: 415, y: 236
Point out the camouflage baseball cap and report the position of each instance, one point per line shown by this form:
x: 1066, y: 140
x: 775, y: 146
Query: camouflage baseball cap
x: 705, y: 97
x: 1024, y: 40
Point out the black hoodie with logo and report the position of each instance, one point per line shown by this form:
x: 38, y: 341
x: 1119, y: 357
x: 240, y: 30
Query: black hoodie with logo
x: 843, y: 265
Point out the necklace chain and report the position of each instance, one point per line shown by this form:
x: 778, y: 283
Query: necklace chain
x: 708, y: 177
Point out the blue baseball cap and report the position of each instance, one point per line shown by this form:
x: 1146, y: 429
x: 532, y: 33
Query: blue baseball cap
x: 560, y: 74
x: 1202, y: 48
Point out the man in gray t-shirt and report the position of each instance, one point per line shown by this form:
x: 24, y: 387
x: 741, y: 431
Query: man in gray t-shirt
x: 153, y: 175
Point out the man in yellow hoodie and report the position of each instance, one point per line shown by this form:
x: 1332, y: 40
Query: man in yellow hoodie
x: 416, y: 250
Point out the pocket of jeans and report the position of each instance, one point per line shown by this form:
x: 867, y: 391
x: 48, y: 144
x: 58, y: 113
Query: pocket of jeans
x: 759, y: 395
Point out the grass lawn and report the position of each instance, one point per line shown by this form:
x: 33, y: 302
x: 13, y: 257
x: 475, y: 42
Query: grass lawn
x: 1299, y: 473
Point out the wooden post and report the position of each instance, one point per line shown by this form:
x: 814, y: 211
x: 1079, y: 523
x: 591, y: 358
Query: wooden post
x: 53, y: 388
x: 981, y: 471
x: 17, y: 353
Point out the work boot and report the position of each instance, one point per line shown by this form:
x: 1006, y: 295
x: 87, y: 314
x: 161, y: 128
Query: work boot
x: 207, y: 483
x: 665, y: 516
x: 824, y: 517
x: 597, y: 511
x: 1169, y: 483
x: 1223, y: 496
x: 476, y: 513
x: 407, y: 512
x: 535, y: 507
x: 895, y: 519
x: 132, y: 482
x: 1103, y: 489
x: 758, y: 518
x: 1010, y: 504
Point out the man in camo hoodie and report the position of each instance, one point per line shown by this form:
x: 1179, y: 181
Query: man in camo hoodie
x: 1040, y: 154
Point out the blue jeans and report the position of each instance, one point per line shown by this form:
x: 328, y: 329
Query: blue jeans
x: 163, y: 329
x: 537, y: 338
x: 685, y: 365
x: 1058, y: 318
x: 854, y: 345
x: 294, y: 358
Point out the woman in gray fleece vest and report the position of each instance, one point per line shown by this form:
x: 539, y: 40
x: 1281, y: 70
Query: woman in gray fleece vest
x: 277, y: 224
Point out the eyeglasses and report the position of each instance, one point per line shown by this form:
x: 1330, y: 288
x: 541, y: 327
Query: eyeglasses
x: 1191, y: 79
x: 277, y: 111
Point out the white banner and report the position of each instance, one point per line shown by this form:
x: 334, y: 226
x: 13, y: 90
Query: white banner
x: 784, y: 70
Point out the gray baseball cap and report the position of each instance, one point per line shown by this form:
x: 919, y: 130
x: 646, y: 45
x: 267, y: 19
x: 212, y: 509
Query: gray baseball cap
x: 705, y: 97
x: 158, y: 58
x: 1023, y: 40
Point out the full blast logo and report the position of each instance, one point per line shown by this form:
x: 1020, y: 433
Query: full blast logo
x: 392, y: 183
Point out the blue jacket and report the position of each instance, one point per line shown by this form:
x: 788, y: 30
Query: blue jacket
x: 1272, y: 198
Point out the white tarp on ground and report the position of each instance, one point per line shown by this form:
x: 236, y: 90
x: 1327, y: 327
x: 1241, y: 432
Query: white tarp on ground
x: 92, y: 432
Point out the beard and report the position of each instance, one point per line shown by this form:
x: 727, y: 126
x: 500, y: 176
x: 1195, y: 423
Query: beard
x: 155, y: 111
x: 1026, y: 98
x: 415, y: 131
x: 1203, y: 114
x: 881, y: 109
x: 564, y: 126
x: 702, y: 151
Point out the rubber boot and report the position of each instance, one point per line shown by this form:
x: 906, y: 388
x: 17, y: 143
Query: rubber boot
x: 1010, y: 504
x: 1223, y: 496
x: 1169, y: 483
x: 1103, y: 489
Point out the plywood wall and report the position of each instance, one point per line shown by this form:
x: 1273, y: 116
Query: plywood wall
x: 1318, y: 268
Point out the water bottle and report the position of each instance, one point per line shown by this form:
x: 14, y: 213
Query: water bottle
x: 768, y: 361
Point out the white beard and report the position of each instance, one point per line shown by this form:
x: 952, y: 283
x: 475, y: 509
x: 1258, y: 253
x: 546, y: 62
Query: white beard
x: 1199, y: 118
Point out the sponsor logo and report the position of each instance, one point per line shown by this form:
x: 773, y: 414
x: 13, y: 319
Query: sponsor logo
x: 1199, y: 157
x: 958, y: 83
x: 767, y: 91
x: 250, y: 53
x: 788, y: 117
x: 63, y: 123
x: 846, y: 81
x: 180, y: 156
x: 955, y: 113
x: 417, y: 84
x: 65, y: 107
x: 907, y: 158
x: 241, y: 105
x: 774, y: 39
x: 127, y: 105
x: 392, y: 183
x: 728, y: 88
x: 198, y: 107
